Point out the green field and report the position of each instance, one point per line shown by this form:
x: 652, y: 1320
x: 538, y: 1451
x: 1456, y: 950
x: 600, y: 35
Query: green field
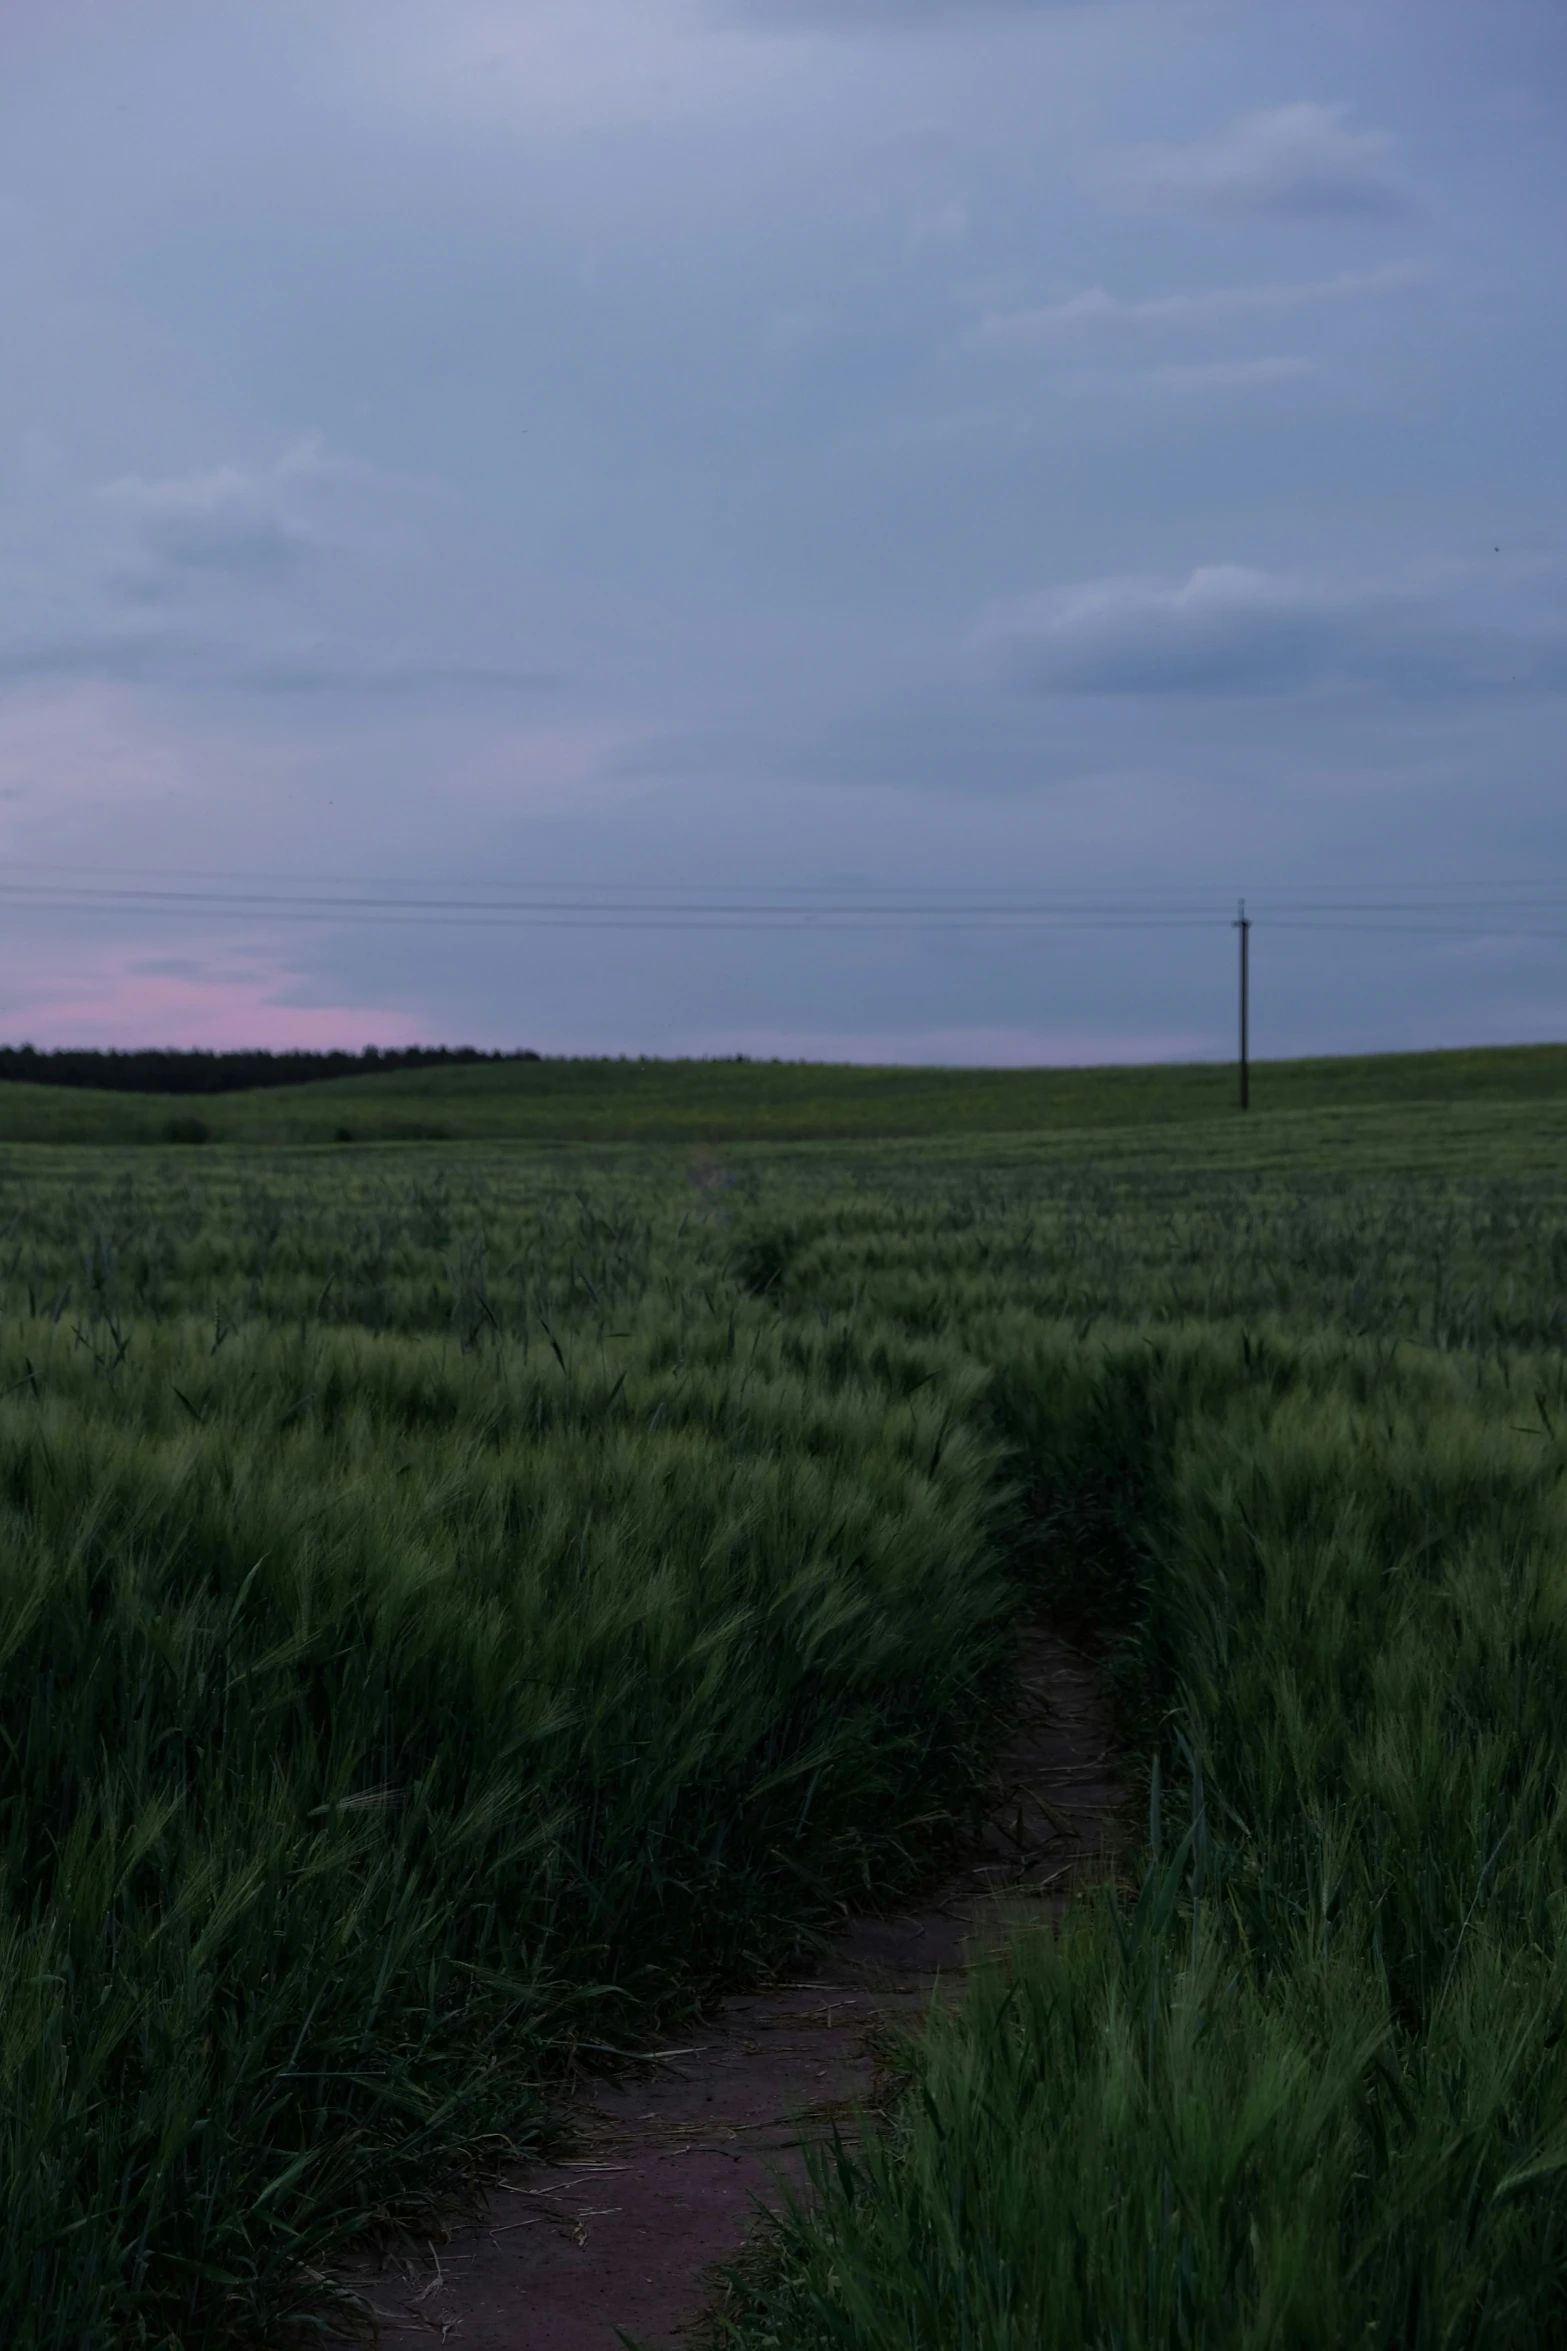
x: 462, y: 1603
x: 729, y: 1101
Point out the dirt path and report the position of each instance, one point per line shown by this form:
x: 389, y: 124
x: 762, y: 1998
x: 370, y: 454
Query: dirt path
x: 674, y: 2160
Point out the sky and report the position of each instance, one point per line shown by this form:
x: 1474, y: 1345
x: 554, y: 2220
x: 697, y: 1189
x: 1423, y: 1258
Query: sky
x: 481, y: 478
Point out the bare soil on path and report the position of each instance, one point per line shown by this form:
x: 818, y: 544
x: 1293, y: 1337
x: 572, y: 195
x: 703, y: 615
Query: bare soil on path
x: 673, y: 2160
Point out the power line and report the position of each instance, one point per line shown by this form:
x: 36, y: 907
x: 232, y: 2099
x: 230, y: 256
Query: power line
x: 75, y: 876
x: 351, y: 902
x: 776, y: 907
x: 1418, y: 930
x: 661, y: 911
x: 869, y: 910
x: 1507, y: 911
x: 1323, y: 898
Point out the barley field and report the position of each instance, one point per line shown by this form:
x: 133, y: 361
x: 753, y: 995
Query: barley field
x: 463, y: 1603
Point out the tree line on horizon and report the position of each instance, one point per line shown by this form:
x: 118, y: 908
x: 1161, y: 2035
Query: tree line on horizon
x: 159, y: 1071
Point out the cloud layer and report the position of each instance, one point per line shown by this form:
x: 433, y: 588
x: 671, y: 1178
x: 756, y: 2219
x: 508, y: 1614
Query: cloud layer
x: 1227, y: 629
x: 491, y: 441
x: 1095, y: 316
x: 892, y: 16
x: 1298, y: 161
x: 226, y: 521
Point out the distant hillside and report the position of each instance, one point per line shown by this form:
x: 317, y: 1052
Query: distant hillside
x: 157, y: 1072
x: 523, y: 1099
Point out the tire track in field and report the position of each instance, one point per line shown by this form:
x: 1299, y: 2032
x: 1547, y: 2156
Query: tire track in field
x: 672, y: 2159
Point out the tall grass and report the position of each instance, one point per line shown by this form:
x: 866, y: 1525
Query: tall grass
x: 384, y: 1719
x: 1308, y: 2086
x: 454, y: 1613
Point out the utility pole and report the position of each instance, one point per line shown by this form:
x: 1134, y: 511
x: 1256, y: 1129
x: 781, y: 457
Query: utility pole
x: 1244, y: 927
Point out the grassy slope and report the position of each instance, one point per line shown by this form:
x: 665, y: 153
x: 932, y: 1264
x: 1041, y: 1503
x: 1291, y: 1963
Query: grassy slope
x: 698, y: 1102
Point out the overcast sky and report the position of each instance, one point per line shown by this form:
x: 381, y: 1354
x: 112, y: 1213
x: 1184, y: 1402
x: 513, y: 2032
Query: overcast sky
x: 491, y: 446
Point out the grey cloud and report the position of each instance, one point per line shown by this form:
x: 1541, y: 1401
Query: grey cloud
x: 1220, y: 377
x: 1225, y: 628
x: 1298, y: 160
x: 177, y: 659
x: 869, y: 16
x: 1231, y: 630
x: 329, y: 673
x: 113, y: 657
x: 1094, y: 315
x: 258, y: 525
x: 227, y: 521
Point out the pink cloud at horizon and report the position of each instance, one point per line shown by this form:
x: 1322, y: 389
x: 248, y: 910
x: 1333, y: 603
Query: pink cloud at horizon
x: 132, y: 1009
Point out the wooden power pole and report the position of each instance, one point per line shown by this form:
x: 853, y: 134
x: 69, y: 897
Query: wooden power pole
x: 1244, y: 928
